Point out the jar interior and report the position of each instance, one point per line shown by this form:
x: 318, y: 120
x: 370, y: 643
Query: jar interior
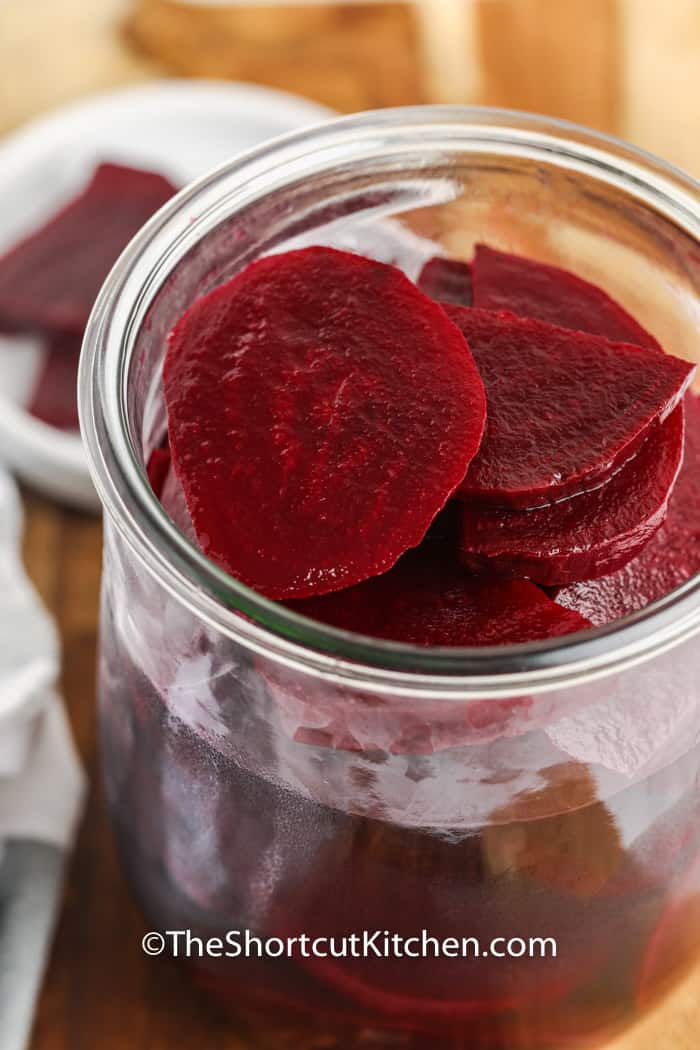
x: 570, y: 814
x: 399, y: 186
x: 405, y: 207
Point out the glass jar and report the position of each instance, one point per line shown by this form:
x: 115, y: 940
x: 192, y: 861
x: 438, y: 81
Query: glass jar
x: 268, y: 775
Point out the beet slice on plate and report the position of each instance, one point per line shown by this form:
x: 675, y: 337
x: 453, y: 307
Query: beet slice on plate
x: 428, y: 599
x: 533, y: 289
x: 586, y: 536
x: 565, y: 409
x: 54, y: 398
x: 50, y: 280
x: 447, y: 280
x: 307, y: 458
x: 668, y: 560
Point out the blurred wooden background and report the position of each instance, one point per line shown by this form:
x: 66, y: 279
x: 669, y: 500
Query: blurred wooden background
x: 630, y: 67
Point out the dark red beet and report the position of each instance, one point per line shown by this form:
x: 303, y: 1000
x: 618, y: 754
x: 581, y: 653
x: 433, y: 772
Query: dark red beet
x: 445, y: 529
x: 534, y: 289
x: 668, y: 560
x: 588, y: 535
x: 349, y: 720
x: 372, y: 878
x: 428, y: 599
x: 447, y: 280
x: 54, y: 398
x: 565, y: 409
x: 307, y: 460
x: 158, y: 467
x: 50, y: 279
x: 436, y: 593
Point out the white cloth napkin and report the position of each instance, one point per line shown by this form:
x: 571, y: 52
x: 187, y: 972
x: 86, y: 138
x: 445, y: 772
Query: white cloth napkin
x: 42, y: 785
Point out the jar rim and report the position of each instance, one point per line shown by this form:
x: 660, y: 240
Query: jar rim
x: 271, y: 628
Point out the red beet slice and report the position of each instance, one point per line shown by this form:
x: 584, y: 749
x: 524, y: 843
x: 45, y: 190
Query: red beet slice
x: 50, y: 280
x: 54, y: 398
x: 668, y: 560
x: 565, y: 409
x: 157, y: 468
x: 533, y: 289
x: 361, y: 727
x: 447, y: 280
x: 307, y: 460
x: 379, y: 877
x: 428, y: 599
x: 589, y: 535
x: 349, y: 720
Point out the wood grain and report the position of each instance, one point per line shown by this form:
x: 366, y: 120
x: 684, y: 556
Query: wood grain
x: 53, y: 51
x: 553, y: 58
x: 595, y: 61
x: 350, y: 57
x: 660, y: 73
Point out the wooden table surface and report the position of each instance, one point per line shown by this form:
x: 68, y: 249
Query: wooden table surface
x: 626, y: 66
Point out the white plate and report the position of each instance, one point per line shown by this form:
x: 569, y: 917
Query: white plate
x: 180, y: 128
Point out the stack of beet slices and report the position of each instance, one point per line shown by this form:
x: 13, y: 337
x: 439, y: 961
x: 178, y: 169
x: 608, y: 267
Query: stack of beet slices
x: 418, y: 463
x: 49, y: 281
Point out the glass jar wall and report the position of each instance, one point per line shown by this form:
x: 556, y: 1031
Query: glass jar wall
x: 270, y: 775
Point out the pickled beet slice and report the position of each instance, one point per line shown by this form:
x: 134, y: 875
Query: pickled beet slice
x: 668, y: 560
x: 400, y: 880
x: 429, y: 599
x: 447, y: 280
x: 351, y: 720
x: 50, y: 279
x: 565, y: 409
x: 54, y: 398
x: 426, y: 599
x: 533, y: 289
x: 588, y: 535
x: 321, y: 412
x: 157, y: 468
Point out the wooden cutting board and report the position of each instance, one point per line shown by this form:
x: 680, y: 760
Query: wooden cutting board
x: 627, y: 66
